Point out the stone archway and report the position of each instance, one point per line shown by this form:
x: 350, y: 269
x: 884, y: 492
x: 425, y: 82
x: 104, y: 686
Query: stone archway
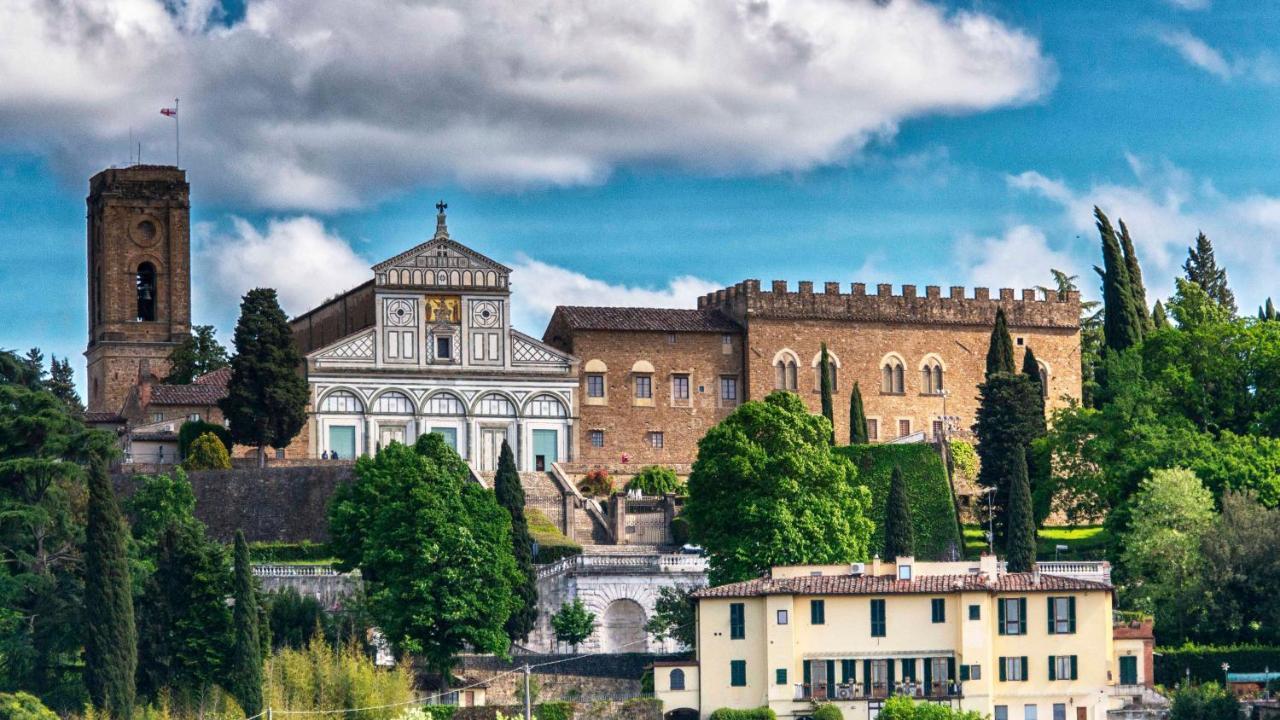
x: 622, y: 628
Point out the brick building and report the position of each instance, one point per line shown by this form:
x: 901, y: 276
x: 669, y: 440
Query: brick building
x: 653, y: 381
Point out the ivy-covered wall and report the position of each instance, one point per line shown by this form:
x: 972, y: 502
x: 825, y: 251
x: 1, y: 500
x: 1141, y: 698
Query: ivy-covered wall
x: 937, y: 529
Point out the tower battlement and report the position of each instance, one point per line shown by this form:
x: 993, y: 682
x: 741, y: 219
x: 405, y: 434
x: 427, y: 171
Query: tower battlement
x: 1028, y: 308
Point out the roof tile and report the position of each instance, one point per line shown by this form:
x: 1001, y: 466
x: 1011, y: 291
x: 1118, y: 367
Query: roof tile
x: 646, y: 319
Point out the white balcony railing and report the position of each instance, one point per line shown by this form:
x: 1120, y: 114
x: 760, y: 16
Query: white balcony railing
x: 668, y: 563
x: 276, y: 570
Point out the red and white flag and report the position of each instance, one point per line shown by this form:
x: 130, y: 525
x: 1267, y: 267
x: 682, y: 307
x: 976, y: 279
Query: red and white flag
x: 169, y: 112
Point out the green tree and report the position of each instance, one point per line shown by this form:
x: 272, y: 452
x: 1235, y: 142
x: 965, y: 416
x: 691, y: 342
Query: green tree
x: 62, y: 383
x: 1161, y: 550
x: 1010, y: 417
x: 1122, y: 326
x: 434, y: 550
x: 1204, y: 702
x: 573, y: 623
x: 857, y: 418
x: 24, y: 706
x: 1192, y: 307
x: 244, y: 671
x: 767, y: 490
x: 656, y: 480
x: 1201, y: 268
x: 510, y: 495
x: 197, y: 354
x: 295, y: 618
x: 1000, y: 349
x: 110, y: 639
x: 207, y: 453
x: 267, y: 397
x: 675, y: 615
x: 824, y: 383
x: 1020, y: 530
x: 899, y: 535
x: 1159, y: 320
x: 1241, y: 571
x: 1134, y: 269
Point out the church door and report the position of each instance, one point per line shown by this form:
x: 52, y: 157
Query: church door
x: 545, y: 449
x: 342, y: 441
x: 491, y: 447
x: 388, y: 434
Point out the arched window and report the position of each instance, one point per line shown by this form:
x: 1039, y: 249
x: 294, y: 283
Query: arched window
x: 494, y: 405
x: 444, y: 404
x: 146, y: 281
x: 677, y: 679
x: 931, y: 376
x: 891, y: 375
x: 341, y: 401
x: 833, y: 369
x: 393, y: 403
x: 546, y: 406
x: 786, y: 368
x: 1044, y: 380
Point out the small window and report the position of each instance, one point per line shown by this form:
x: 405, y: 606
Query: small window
x: 938, y: 608
x: 904, y: 428
x: 597, y: 438
x: 738, y: 673
x: 783, y: 617
x: 677, y: 679
x: 1062, y: 667
x: 729, y: 389
x: 737, y: 621
x: 817, y: 612
x: 1021, y: 341
x: 1013, y: 669
x: 146, y: 282
x: 1002, y: 712
x: 279, y: 453
x: 644, y: 387
x: 595, y: 385
x: 1029, y: 712
x: 877, y: 618
x: 904, y: 572
x: 1059, y: 711
x: 785, y: 370
x: 780, y: 676
x: 655, y: 440
x: 1013, y: 616
x: 1062, y: 615
x: 444, y: 348
x: 975, y: 672
x: 891, y: 377
x: 157, y: 417
x: 975, y: 612
x: 680, y: 387
x: 873, y: 429
x: 194, y: 417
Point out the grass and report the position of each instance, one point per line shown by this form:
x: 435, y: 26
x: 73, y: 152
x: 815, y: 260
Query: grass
x: 933, y: 512
x: 552, y: 544
x: 1084, y: 542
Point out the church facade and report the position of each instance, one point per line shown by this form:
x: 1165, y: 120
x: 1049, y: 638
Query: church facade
x: 426, y: 345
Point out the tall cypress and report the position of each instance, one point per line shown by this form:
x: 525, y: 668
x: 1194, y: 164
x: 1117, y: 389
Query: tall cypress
x: 1159, y: 319
x: 1270, y: 311
x: 111, y: 642
x: 244, y: 674
x: 1000, y: 350
x: 1136, y: 287
x: 1020, y: 535
x: 824, y: 383
x: 899, y: 535
x: 857, y: 418
x: 1202, y: 269
x: 1121, y: 327
x: 510, y: 495
x: 1031, y: 368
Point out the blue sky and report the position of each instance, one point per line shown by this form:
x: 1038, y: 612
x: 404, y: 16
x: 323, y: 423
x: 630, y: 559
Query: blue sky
x: 845, y: 140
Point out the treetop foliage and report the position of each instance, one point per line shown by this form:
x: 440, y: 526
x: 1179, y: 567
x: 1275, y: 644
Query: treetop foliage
x: 1201, y: 268
x: 198, y: 353
x: 1000, y: 349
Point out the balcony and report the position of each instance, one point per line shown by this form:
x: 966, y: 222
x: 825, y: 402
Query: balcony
x: 821, y: 692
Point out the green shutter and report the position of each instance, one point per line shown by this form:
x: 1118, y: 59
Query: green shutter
x: 909, y: 669
x: 1000, y: 608
x: 831, y: 678
x: 780, y: 676
x: 928, y: 673
x: 1052, y: 628
x: 1074, y: 669
x: 846, y: 671
x: 1002, y: 670
x: 889, y: 664
x: 964, y: 673
x: 808, y: 672
x: 1053, y: 668
x: 1026, y: 667
x: 866, y: 675
x: 951, y: 669
x: 1071, y: 613
x: 1022, y: 616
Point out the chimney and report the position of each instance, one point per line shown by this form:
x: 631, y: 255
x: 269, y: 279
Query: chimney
x: 988, y: 567
x: 875, y: 566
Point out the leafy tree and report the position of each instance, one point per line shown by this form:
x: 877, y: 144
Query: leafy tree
x: 657, y: 480
x: 1193, y: 307
x: 901, y: 707
x: 197, y: 354
x: 1241, y: 571
x: 207, y: 453
x: 1020, y: 523
x: 24, y: 706
x: 1009, y: 418
x: 244, y: 671
x: 767, y: 490
x: 35, y: 360
x: 1201, y: 268
x: 824, y: 383
x: 1122, y: 326
x: 192, y: 429
x: 111, y: 642
x: 573, y: 624
x: 1204, y: 702
x: 675, y: 615
x: 62, y: 383
x: 899, y: 535
x: 1134, y: 269
x: 267, y: 397
x: 434, y: 550
x: 1161, y: 549
x: 1000, y: 349
x: 510, y: 495
x: 295, y: 618
x: 1159, y: 320
x: 857, y: 418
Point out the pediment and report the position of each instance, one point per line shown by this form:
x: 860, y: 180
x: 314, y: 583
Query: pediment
x: 528, y: 351
x: 442, y: 263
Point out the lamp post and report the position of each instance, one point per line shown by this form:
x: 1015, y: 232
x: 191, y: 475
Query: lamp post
x: 991, y: 521
x: 1058, y: 549
x: 1225, y: 682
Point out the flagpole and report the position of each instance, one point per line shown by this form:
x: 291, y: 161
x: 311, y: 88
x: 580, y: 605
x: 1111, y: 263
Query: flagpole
x: 177, y: 135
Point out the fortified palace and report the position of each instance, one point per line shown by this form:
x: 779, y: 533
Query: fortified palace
x: 427, y: 345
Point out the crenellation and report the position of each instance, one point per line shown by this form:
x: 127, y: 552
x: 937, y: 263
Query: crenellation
x: 1006, y: 294
x: 859, y: 289
x: 908, y: 291
x: 831, y: 288
x: 1028, y: 295
x: 884, y: 290
x: 981, y: 293
x: 957, y: 292
x: 780, y: 287
x: 1050, y: 295
x: 932, y: 291
x: 806, y: 287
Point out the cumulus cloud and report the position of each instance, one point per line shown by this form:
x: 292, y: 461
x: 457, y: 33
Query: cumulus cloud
x: 1020, y: 258
x: 316, y: 106
x: 1164, y: 207
x: 1197, y: 52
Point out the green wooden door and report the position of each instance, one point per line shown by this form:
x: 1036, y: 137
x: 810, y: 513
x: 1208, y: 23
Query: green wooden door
x: 1128, y: 670
x: 545, y: 449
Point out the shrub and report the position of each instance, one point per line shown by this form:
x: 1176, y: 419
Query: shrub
x: 429, y: 712
x: 1204, y: 702
x: 935, y: 524
x: 760, y: 713
x: 324, y: 677
x: 679, y: 530
x: 24, y: 706
x: 207, y: 453
x: 554, y: 711
x: 552, y: 544
x: 641, y: 708
x: 964, y: 459
x: 192, y: 429
x: 827, y: 711
x: 904, y: 708
x: 1205, y: 661
x: 289, y: 552
x: 596, y: 483
x: 657, y: 480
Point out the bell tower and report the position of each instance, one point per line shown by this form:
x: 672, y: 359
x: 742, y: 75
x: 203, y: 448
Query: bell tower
x: 139, y: 248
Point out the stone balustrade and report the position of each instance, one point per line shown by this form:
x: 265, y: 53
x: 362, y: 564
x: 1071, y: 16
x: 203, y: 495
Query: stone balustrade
x: 663, y: 563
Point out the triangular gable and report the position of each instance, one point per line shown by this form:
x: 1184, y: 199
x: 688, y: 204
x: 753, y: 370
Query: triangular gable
x: 356, y: 348
x: 526, y: 350
x: 431, y: 247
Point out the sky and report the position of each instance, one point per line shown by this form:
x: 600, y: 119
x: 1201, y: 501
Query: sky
x: 642, y: 152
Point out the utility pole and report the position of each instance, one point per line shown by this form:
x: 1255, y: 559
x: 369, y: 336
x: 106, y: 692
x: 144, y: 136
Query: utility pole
x: 528, y: 702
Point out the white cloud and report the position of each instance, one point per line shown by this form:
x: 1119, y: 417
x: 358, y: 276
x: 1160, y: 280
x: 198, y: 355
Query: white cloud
x: 1020, y: 258
x: 1261, y: 68
x: 1190, y: 4
x: 1164, y: 207
x: 309, y: 105
x: 537, y: 288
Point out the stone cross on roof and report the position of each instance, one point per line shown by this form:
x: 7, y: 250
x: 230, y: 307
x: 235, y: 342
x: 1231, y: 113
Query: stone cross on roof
x: 442, y: 230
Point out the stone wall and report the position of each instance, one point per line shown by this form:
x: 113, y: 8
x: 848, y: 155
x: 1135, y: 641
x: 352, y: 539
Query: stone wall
x: 579, y: 679
x: 335, y: 319
x: 329, y: 589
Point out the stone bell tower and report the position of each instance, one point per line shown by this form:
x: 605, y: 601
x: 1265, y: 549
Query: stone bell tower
x: 139, y: 247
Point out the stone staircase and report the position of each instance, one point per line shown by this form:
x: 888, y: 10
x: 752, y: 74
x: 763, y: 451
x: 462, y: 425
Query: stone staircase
x: 542, y: 491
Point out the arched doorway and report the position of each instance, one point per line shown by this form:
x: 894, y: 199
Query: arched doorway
x: 681, y: 714
x: 624, y: 627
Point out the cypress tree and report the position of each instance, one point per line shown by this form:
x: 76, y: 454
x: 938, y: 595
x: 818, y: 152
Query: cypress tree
x: 1031, y: 368
x: 828, y: 410
x: 244, y: 674
x: 1135, y: 279
x: 1121, y: 326
x: 1270, y: 311
x: 1020, y: 535
x: 510, y: 495
x: 857, y: 418
x: 1202, y: 269
x: 1000, y: 351
x: 1159, y: 320
x: 111, y: 642
x: 899, y: 535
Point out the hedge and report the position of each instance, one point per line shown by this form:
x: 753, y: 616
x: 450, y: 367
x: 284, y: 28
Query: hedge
x: 192, y: 429
x: 1205, y: 661
x: 937, y: 528
x: 552, y: 544
x: 760, y: 713
x: 827, y: 711
x: 289, y: 552
x: 554, y: 711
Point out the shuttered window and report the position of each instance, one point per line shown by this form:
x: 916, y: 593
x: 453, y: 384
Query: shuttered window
x: 1012, y: 616
x: 939, y: 608
x: 1063, y: 667
x: 1062, y: 615
x: 737, y: 621
x: 877, y: 618
x: 738, y: 673
x: 817, y: 612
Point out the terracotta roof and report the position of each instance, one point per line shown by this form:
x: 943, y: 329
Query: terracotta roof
x: 157, y: 436
x: 103, y: 417
x: 187, y: 394
x: 645, y: 319
x: 888, y: 584
x: 220, y: 377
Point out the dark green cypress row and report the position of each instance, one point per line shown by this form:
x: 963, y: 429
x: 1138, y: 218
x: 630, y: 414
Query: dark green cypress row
x: 1020, y: 535
x: 1031, y: 368
x: 899, y: 535
x: 244, y: 676
x: 1202, y: 269
x: 510, y: 495
x: 1000, y: 351
x: 1121, y: 326
x: 1135, y: 279
x: 857, y: 418
x: 111, y: 642
x: 1270, y: 311
x: 1159, y: 320
x: 828, y: 409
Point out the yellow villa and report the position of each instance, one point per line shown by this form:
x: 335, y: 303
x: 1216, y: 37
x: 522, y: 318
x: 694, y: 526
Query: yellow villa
x: 1013, y: 646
